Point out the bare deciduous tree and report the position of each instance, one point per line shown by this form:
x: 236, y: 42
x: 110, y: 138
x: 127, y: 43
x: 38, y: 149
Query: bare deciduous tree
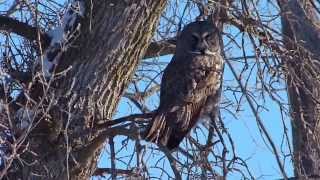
x: 66, y: 66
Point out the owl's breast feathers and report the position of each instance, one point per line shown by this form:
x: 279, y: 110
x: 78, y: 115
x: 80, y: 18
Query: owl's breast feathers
x: 187, y: 87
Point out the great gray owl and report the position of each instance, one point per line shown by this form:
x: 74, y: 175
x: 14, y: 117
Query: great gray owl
x: 190, y: 86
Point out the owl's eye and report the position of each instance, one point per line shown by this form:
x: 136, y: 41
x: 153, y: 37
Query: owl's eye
x: 195, y: 37
x: 207, y: 36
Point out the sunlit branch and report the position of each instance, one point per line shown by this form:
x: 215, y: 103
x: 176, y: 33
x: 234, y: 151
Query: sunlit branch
x: 102, y: 172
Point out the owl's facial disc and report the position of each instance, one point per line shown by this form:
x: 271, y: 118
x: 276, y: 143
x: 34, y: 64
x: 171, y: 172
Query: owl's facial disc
x: 200, y: 38
x: 201, y: 43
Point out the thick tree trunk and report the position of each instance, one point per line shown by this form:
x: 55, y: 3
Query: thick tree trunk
x: 302, y: 37
x: 114, y: 36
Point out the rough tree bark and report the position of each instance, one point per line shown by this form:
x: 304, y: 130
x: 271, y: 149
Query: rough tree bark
x: 114, y: 36
x: 301, y: 37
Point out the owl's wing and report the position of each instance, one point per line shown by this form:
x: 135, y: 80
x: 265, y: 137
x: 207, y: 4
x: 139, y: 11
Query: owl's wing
x: 173, y: 84
x: 177, y: 84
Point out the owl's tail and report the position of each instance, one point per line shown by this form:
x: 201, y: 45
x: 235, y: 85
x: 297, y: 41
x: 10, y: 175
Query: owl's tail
x: 169, y: 127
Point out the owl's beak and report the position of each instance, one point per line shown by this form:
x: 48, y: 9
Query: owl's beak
x: 209, y: 53
x: 204, y: 53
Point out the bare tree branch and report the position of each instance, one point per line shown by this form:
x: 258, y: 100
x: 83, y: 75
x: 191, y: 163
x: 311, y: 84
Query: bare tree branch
x: 23, y: 29
x: 160, y: 48
x: 106, y: 171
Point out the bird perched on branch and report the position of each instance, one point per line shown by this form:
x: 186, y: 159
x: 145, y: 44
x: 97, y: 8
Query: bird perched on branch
x: 191, y: 84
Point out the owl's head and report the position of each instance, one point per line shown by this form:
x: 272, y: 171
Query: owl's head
x: 199, y: 38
